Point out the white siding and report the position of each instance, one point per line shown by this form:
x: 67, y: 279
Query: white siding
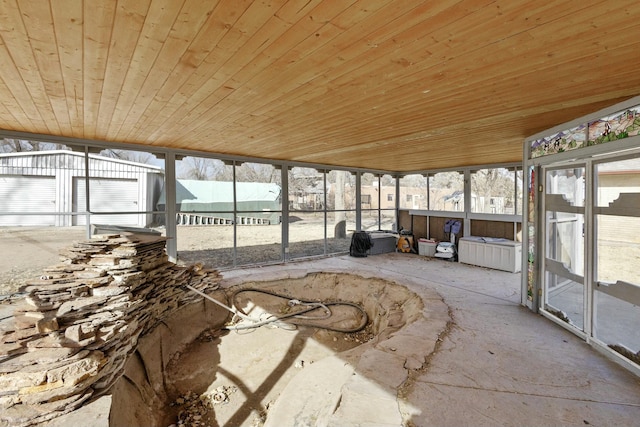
x: 118, y: 186
x: 107, y: 195
x: 610, y: 188
x: 27, y: 194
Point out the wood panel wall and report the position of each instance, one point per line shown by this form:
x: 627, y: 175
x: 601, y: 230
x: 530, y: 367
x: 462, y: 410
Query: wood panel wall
x: 435, y: 230
x: 405, y: 220
x: 496, y: 229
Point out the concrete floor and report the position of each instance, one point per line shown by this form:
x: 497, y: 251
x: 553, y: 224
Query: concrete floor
x: 499, y: 364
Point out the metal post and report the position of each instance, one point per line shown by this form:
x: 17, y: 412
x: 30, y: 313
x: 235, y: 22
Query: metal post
x: 397, y: 204
x: 590, y: 260
x: 467, y: 203
x: 284, y: 178
x: 87, y: 202
x: 324, y: 210
x: 358, y: 202
x: 379, y: 202
x: 171, y: 229
x: 428, y: 205
x: 235, y: 216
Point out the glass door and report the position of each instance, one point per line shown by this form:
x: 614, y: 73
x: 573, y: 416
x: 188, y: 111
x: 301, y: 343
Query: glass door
x: 564, y: 292
x: 616, y: 306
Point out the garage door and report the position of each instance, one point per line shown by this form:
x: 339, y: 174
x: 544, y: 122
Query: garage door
x: 107, y: 195
x: 27, y: 194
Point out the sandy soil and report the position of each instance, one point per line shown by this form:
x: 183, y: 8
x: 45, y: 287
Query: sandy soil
x: 253, y: 367
x: 26, y: 251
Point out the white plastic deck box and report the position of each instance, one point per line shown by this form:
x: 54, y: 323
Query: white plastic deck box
x: 501, y: 254
x: 426, y: 247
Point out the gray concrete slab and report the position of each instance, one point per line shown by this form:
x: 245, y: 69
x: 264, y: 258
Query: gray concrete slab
x: 498, y: 364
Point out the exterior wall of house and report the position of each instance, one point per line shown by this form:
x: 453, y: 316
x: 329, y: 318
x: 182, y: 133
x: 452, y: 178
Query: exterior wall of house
x: 610, y: 186
x: 370, y: 194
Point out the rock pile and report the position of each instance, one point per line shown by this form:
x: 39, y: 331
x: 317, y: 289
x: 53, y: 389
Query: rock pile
x: 78, y: 323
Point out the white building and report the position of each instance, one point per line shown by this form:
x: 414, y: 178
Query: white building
x: 52, y: 184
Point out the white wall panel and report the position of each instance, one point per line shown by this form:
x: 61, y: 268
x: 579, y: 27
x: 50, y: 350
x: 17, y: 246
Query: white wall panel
x: 27, y: 194
x: 107, y: 195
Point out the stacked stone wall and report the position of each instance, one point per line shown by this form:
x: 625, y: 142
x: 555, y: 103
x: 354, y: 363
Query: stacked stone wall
x: 71, y: 334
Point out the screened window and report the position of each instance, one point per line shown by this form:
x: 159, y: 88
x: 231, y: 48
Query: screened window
x: 446, y: 191
x: 204, y: 211
x: 414, y: 192
x: 493, y: 191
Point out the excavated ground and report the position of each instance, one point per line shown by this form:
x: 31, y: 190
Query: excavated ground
x: 235, y: 377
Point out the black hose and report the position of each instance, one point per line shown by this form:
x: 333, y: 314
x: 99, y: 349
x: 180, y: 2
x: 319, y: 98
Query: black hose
x: 291, y: 317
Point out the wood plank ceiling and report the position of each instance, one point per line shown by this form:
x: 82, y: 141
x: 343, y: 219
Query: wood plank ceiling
x: 384, y: 84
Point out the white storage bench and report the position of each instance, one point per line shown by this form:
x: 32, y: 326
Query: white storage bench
x: 501, y: 254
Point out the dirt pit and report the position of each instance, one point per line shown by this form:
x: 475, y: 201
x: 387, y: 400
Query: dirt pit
x: 234, y: 377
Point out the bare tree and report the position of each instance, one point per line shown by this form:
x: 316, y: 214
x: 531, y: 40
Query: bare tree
x: 387, y: 181
x: 257, y: 172
x: 131, y: 156
x: 304, y: 184
x: 368, y: 179
x: 448, y: 180
x: 199, y: 168
x: 12, y: 145
x: 494, y: 183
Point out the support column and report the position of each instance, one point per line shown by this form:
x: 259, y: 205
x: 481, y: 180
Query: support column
x: 87, y: 193
x: 358, y: 202
x: 284, y: 178
x: 467, y: 203
x: 170, y: 207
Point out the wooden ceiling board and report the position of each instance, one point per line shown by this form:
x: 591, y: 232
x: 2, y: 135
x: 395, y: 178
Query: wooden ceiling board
x: 38, y: 24
x: 69, y: 40
x: 285, y: 79
x: 125, y: 39
x: 11, y: 119
x: 344, y: 50
x: 20, y: 75
x: 146, y: 63
x: 267, y: 91
x: 203, y: 81
x: 357, y: 62
x: 98, y: 18
x: 394, y: 103
x: 186, y: 119
x: 190, y: 70
x: 382, y: 84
